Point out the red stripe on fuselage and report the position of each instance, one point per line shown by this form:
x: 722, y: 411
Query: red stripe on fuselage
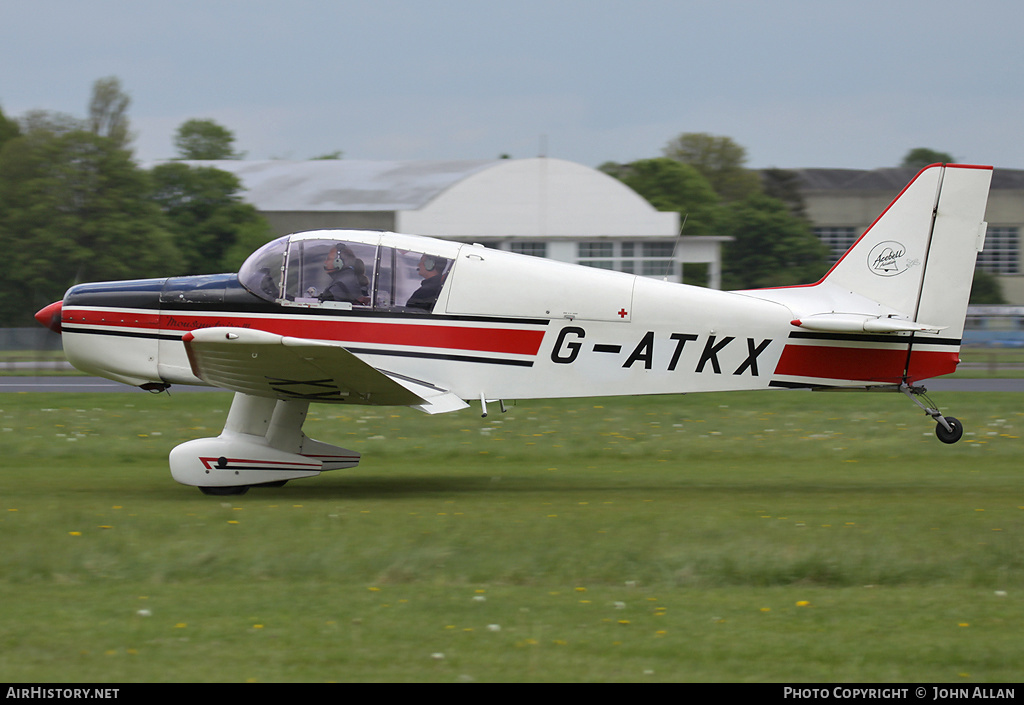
x: 867, y: 364
x: 400, y: 332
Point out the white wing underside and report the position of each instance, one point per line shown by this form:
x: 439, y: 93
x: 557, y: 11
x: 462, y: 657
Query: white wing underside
x: 268, y: 365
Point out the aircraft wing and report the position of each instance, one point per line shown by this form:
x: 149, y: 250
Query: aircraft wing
x: 269, y: 365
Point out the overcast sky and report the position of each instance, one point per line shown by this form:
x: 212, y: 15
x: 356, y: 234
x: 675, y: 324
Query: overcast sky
x: 798, y: 83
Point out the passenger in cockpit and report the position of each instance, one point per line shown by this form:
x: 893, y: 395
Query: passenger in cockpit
x: 348, y: 276
x: 432, y: 270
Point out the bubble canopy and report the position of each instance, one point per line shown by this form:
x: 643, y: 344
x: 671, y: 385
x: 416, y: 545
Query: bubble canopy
x: 350, y: 270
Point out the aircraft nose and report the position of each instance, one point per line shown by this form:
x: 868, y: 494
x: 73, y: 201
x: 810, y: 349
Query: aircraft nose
x: 49, y: 316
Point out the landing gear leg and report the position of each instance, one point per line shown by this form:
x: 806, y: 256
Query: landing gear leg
x: 262, y: 444
x: 947, y: 428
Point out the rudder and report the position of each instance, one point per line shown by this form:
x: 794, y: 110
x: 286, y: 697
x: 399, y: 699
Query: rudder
x: 958, y: 235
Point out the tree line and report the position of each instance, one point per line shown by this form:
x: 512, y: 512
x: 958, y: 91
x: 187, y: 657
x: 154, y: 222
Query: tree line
x: 705, y: 179
x: 76, y: 207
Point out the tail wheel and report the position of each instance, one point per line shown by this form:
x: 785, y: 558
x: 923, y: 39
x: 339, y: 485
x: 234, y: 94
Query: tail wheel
x: 954, y: 434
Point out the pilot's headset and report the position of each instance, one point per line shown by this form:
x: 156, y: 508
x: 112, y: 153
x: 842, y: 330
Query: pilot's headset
x: 432, y: 264
x: 339, y: 259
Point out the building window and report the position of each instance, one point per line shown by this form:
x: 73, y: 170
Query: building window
x: 1002, y: 251
x: 658, y: 259
x: 838, y: 240
x: 649, y: 259
x: 534, y: 249
x: 597, y: 254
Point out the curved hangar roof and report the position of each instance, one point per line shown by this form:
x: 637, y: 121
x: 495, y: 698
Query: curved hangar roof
x: 517, y: 197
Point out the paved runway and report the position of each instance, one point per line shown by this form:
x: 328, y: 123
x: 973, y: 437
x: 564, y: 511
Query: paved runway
x: 73, y: 383
x: 96, y: 384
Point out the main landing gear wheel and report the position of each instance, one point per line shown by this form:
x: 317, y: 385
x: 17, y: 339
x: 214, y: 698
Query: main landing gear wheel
x: 953, y: 434
x: 947, y: 428
x: 225, y: 491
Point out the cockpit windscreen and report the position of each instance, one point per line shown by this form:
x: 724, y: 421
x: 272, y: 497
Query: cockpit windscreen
x: 345, y: 274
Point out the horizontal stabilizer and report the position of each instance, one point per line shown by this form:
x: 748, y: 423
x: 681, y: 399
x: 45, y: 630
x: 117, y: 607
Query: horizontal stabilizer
x: 859, y: 323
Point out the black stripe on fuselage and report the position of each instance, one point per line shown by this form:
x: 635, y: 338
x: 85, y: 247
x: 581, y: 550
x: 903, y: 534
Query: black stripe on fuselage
x: 222, y: 293
x: 65, y: 328
x: 442, y: 356
x: 868, y: 338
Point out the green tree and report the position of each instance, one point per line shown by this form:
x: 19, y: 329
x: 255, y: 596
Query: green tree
x: 784, y: 185
x: 49, y: 121
x: 770, y: 246
x: 720, y: 159
x: 213, y: 228
x: 74, y: 207
x: 8, y: 129
x: 921, y: 157
x: 205, y: 140
x: 669, y: 185
x: 108, y: 111
x: 986, y: 290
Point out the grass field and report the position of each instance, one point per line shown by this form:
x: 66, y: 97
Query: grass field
x: 777, y: 536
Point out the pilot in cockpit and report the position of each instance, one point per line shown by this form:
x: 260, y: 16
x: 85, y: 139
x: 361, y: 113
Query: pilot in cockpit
x: 348, y: 276
x: 432, y: 270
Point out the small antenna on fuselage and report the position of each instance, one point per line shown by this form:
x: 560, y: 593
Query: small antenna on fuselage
x: 675, y: 246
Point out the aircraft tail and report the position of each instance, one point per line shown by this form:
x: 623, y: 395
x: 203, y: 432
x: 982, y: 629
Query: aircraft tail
x: 917, y: 259
x: 906, y: 280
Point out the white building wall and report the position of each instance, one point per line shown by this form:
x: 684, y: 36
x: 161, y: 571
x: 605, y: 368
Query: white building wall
x: 538, y: 198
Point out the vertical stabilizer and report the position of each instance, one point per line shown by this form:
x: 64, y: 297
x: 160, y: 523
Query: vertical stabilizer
x: 911, y: 271
x: 917, y: 259
x: 958, y: 235
x: 894, y: 305
x: 887, y: 263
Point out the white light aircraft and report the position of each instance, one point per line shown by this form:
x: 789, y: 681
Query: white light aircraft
x: 358, y: 317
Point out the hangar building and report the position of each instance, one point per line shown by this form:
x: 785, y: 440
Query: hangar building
x: 544, y: 207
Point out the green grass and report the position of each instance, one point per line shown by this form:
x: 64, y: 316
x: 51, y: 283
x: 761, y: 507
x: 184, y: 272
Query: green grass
x: 784, y: 536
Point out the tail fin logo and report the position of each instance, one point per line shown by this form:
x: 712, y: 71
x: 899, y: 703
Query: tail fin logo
x: 889, y: 258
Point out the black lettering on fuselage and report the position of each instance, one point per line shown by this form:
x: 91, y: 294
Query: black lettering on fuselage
x: 643, y: 351
x: 710, y: 354
x: 682, y: 339
x: 751, y: 360
x: 568, y: 347
x: 557, y: 355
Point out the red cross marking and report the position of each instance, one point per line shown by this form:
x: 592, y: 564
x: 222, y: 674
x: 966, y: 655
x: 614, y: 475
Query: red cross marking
x: 623, y: 313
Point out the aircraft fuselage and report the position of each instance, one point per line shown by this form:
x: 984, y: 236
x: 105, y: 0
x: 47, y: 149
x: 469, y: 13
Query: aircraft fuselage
x: 645, y: 337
